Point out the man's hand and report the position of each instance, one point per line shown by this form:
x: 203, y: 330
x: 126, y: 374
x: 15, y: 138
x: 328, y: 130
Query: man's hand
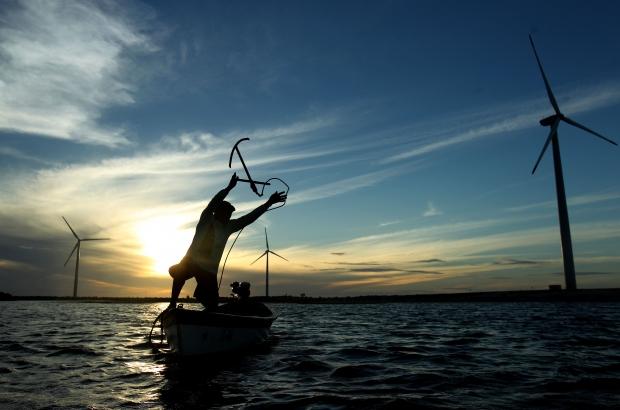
x: 276, y: 197
x: 233, y: 181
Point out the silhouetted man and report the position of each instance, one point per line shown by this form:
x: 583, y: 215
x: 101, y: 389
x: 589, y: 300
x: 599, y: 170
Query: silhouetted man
x: 203, y: 256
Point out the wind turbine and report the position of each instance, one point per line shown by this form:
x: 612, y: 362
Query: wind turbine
x: 77, y: 257
x: 553, y: 121
x: 267, y: 252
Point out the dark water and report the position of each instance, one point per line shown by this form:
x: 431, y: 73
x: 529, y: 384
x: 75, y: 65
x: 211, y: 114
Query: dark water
x: 494, y: 355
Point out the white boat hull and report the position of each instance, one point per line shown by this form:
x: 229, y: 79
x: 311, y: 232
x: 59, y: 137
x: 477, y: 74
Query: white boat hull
x: 190, y: 340
x: 191, y: 332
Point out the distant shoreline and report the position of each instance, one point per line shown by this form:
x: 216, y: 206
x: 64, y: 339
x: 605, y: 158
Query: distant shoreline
x: 581, y: 295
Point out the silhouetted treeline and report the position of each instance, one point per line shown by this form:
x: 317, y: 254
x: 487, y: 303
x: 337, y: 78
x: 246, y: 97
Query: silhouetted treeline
x: 581, y: 295
x: 6, y: 296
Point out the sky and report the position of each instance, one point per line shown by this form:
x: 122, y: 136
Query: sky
x: 406, y: 130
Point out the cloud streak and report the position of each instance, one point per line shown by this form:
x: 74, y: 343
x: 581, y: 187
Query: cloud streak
x: 586, y: 199
x: 466, y: 251
x: 345, y: 185
x: 510, y: 261
x: 157, y: 193
x: 507, y: 119
x: 431, y: 210
x: 17, y: 154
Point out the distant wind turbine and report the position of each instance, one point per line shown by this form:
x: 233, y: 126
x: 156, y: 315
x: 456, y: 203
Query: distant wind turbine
x: 267, y: 252
x: 77, y: 257
x: 553, y: 121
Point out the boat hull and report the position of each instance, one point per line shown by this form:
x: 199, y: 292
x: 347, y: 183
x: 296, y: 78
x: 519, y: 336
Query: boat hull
x: 193, y: 332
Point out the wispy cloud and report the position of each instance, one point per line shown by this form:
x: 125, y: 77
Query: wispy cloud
x: 389, y: 223
x: 64, y: 63
x: 17, y: 154
x: 505, y: 119
x: 167, y: 177
x: 158, y: 192
x: 431, y: 210
x: 585, y: 199
x: 386, y: 268
x: 510, y: 261
x: 477, y: 250
x: 432, y: 260
x: 345, y: 185
x: 276, y: 134
x: 14, y: 265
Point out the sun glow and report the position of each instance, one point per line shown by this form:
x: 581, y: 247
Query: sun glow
x: 164, y: 241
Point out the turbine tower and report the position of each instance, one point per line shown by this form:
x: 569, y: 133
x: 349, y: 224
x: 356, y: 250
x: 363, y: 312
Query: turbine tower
x: 553, y: 121
x: 267, y: 252
x: 77, y: 256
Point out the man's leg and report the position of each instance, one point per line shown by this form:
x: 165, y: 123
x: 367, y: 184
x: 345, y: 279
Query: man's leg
x: 206, y: 290
x: 177, y: 285
x: 180, y: 274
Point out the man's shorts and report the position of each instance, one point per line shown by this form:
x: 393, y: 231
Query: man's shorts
x: 206, y: 288
x: 182, y: 270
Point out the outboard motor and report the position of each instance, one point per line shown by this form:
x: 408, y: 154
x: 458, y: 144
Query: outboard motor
x: 240, y: 291
x: 242, y: 304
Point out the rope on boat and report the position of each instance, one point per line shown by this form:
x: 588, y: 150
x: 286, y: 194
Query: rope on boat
x: 161, y: 331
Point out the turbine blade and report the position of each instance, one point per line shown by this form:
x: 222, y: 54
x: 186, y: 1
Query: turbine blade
x: 554, y: 103
x: 554, y: 129
x: 72, y: 231
x: 576, y: 124
x: 264, y: 253
x: 278, y: 255
x: 71, y: 254
x: 96, y: 239
x: 266, y: 240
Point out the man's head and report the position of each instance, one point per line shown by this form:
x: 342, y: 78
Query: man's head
x: 223, y: 212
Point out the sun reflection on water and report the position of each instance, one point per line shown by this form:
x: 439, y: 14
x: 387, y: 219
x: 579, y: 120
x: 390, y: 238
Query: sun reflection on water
x: 145, y: 367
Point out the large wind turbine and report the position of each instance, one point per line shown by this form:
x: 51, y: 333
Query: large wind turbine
x: 77, y: 257
x: 553, y: 121
x: 267, y: 252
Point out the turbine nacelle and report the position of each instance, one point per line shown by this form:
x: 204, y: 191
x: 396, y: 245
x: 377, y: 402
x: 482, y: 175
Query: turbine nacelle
x: 548, y: 121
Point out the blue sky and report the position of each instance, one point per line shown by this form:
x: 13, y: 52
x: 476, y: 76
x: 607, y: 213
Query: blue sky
x: 407, y: 132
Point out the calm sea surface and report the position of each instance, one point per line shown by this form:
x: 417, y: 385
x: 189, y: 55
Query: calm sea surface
x: 488, y: 355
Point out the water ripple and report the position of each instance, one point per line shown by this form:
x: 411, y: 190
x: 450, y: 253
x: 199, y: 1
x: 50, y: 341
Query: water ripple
x: 504, y: 355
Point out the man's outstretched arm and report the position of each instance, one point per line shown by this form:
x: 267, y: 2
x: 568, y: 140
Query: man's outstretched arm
x: 245, y: 220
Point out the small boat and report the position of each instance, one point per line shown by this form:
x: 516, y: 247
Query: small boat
x: 233, y: 327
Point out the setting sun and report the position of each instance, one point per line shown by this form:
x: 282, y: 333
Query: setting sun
x: 163, y: 241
